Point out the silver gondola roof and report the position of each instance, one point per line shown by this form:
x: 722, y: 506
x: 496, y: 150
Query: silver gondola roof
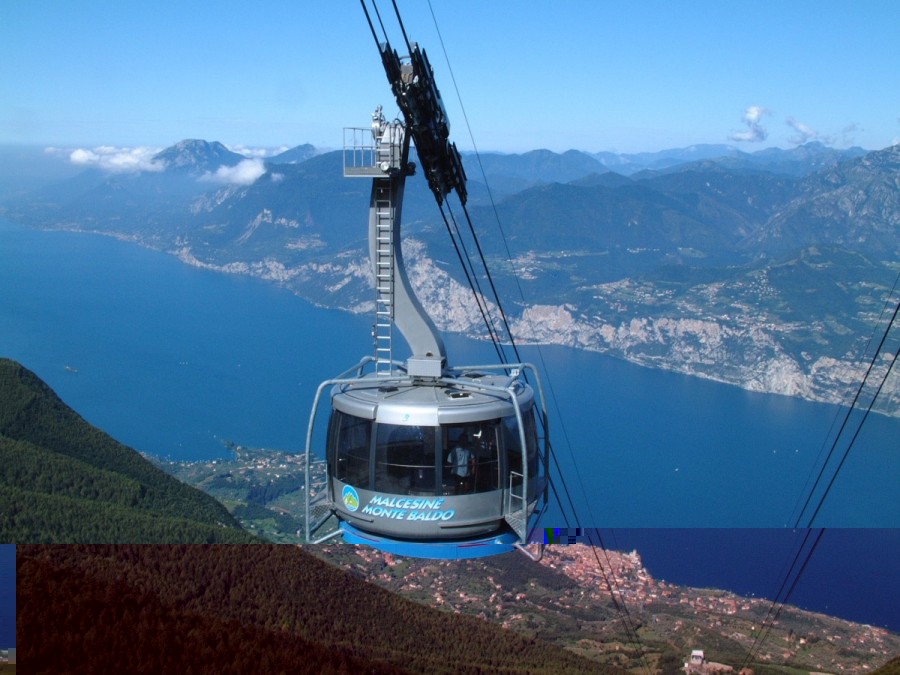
x: 471, y: 397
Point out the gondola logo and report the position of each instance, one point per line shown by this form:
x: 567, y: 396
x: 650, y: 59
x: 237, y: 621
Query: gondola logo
x: 350, y: 497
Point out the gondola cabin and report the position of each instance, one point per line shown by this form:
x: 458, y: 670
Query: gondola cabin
x: 447, y: 467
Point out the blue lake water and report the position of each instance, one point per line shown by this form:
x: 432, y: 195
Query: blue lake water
x: 174, y: 360
x: 852, y: 573
x: 168, y: 359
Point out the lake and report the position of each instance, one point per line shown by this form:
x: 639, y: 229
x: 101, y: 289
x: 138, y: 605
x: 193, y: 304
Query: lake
x: 174, y: 361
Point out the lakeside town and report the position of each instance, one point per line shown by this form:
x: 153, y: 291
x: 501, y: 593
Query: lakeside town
x: 569, y: 597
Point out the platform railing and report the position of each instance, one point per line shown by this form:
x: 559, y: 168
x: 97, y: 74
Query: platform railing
x: 517, y: 504
x: 366, y: 157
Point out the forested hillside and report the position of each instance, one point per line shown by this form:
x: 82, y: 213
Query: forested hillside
x: 65, y: 481
x: 264, y: 609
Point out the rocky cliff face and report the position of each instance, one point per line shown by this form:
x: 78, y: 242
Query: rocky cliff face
x: 745, y: 347
x: 749, y: 357
x: 743, y: 342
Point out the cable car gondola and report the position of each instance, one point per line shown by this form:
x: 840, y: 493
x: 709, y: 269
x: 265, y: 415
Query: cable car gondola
x: 421, y: 459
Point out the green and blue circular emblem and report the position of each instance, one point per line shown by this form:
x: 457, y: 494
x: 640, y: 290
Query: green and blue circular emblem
x: 350, y: 497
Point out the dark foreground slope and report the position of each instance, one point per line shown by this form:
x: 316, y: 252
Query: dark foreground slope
x: 65, y: 481
x: 892, y: 667
x: 266, y: 609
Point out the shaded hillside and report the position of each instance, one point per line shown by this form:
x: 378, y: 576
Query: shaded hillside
x: 509, y: 174
x: 892, y: 667
x: 598, y: 218
x: 855, y: 204
x: 243, y: 609
x: 65, y: 481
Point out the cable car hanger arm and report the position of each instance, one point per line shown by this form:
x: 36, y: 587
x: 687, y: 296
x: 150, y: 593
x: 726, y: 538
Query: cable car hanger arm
x: 412, y: 83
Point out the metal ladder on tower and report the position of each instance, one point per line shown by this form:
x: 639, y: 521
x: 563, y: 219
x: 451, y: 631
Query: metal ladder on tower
x: 384, y: 278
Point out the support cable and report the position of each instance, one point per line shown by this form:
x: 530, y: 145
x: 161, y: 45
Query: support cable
x: 480, y: 296
x: 380, y: 22
x: 565, y: 489
x: 558, y: 501
x: 623, y: 611
x: 484, y: 178
x: 503, y: 238
x: 479, y: 300
x: 872, y: 363
x: 490, y: 279
x: 402, y: 27
x: 854, y: 437
x: 837, y: 414
x: 783, y: 596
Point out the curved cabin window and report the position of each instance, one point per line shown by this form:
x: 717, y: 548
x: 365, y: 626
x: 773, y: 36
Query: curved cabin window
x: 404, y: 460
x: 513, y: 445
x: 413, y: 460
x: 471, y: 459
x: 349, y: 438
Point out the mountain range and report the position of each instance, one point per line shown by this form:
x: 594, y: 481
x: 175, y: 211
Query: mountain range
x: 767, y: 270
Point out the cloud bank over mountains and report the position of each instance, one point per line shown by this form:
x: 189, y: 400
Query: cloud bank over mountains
x: 118, y: 160
x: 244, y: 173
x: 756, y: 132
x: 122, y: 160
x: 803, y: 133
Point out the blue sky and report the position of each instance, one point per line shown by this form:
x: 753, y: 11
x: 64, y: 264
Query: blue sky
x: 591, y: 75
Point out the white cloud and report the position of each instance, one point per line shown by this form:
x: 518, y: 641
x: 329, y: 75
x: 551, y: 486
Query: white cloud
x: 848, y: 134
x: 755, y: 132
x: 118, y: 160
x: 244, y: 172
x: 804, y: 132
x: 257, y: 152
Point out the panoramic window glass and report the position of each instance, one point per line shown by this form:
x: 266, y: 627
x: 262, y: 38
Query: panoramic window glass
x: 404, y: 460
x: 471, y: 461
x: 513, y: 444
x: 349, y: 438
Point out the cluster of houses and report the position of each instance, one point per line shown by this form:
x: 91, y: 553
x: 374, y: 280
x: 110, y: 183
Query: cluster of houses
x: 698, y: 665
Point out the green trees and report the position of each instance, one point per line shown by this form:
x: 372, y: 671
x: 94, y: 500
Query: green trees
x: 267, y: 608
x: 65, y: 481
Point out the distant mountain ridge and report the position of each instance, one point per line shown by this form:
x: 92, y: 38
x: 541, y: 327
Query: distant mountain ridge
x: 548, y: 166
x: 197, y: 156
x: 747, y: 268
x: 296, y: 155
x: 855, y: 204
